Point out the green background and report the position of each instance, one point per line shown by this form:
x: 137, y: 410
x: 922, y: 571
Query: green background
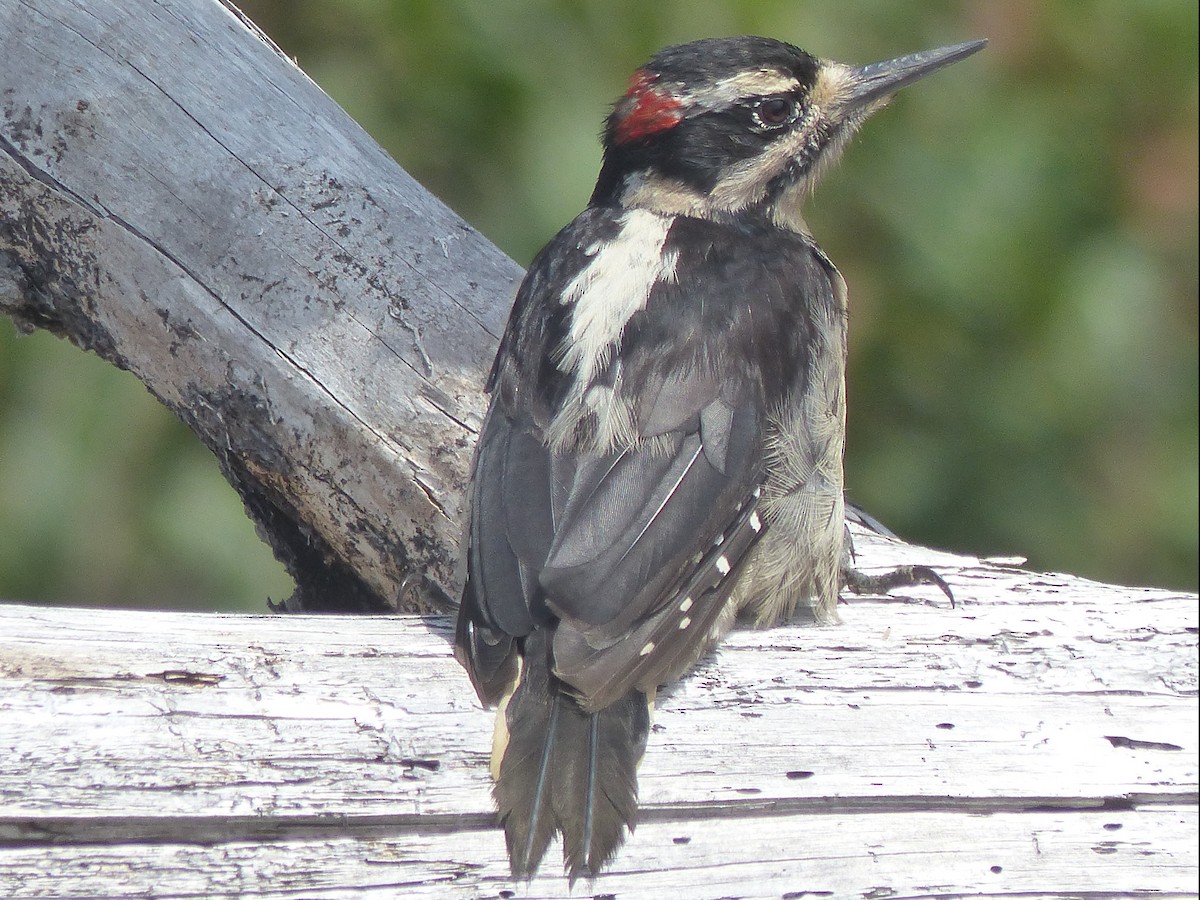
x: 1019, y: 235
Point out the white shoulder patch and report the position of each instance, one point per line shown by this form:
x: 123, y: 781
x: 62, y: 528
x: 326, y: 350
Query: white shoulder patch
x: 611, y: 288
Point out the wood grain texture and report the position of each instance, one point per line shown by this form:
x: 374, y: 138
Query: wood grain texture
x: 178, y: 197
x: 1039, y: 739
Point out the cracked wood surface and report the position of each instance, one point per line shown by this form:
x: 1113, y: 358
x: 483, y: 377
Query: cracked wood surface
x: 179, y: 197
x: 1039, y: 739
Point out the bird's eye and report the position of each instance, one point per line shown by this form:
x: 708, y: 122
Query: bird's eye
x: 771, y: 112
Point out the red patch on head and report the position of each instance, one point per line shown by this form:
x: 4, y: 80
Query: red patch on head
x: 649, y: 109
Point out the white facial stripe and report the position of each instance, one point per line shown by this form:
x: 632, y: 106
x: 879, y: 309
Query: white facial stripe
x: 739, y: 87
x: 746, y: 183
x: 612, y: 287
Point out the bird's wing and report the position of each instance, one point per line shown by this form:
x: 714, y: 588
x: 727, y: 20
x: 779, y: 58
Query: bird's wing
x: 624, y: 548
x: 605, y: 543
x: 638, y: 539
x: 502, y: 599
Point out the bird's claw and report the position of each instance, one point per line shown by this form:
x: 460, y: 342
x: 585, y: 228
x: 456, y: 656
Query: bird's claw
x: 901, y: 576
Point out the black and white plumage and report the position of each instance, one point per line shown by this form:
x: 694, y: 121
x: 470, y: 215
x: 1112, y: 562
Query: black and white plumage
x: 663, y: 449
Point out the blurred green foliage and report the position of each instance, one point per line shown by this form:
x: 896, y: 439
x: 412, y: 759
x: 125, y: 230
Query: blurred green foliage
x: 1019, y: 235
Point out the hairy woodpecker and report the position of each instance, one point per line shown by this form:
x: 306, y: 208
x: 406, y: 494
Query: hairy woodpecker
x: 663, y: 450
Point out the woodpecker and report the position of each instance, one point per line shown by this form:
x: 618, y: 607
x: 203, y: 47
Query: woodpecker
x: 662, y: 453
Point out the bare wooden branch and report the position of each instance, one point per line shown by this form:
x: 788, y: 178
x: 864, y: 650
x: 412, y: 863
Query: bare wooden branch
x: 1039, y: 739
x: 179, y: 197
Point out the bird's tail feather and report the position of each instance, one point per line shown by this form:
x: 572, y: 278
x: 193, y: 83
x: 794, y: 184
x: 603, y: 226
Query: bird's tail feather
x: 568, y: 771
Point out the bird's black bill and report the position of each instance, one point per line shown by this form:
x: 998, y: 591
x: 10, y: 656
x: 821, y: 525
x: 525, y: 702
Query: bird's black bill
x: 879, y: 79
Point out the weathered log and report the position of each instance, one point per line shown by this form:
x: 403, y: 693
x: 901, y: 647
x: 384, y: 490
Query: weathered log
x: 1039, y: 739
x: 180, y: 198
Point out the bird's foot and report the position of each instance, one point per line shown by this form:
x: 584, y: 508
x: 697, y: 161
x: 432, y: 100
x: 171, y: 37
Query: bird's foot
x: 901, y: 576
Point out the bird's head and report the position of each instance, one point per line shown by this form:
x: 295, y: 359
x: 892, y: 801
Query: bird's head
x: 721, y: 126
